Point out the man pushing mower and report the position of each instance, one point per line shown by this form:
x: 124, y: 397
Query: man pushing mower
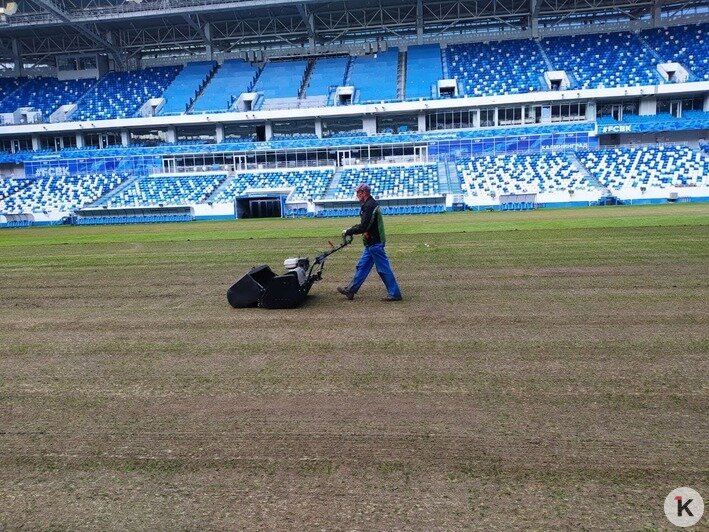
x: 371, y: 227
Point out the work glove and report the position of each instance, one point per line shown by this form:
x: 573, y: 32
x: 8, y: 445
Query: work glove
x: 344, y: 233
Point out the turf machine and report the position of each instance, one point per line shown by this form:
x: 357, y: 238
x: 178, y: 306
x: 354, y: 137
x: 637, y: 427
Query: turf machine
x: 263, y: 288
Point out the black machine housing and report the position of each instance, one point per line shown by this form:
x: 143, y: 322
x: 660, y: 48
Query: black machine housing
x: 260, y: 286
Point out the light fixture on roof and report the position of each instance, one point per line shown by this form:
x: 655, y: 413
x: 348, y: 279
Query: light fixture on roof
x: 9, y: 9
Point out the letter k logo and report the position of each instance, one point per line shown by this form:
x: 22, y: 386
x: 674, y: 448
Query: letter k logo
x: 683, y: 507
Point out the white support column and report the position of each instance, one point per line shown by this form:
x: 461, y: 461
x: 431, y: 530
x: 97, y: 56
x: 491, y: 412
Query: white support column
x: 318, y: 127
x: 171, y: 136
x: 219, y: 133
x: 79, y: 140
x: 16, y: 57
x: 648, y: 106
x: 269, y: 131
x: 35, y: 142
x: 369, y: 125
x: 125, y: 138
x: 706, y: 102
x: 422, y: 122
x: 208, y: 38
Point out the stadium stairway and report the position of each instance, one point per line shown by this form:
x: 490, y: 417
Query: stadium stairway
x: 401, y: 76
x: 334, y: 186
x: 444, y: 60
x: 306, y: 78
x: 607, y: 198
x: 653, y: 53
x: 230, y: 177
x: 443, y: 180
x: 348, y: 71
x: 202, y: 87
x: 454, y: 186
x: 544, y: 56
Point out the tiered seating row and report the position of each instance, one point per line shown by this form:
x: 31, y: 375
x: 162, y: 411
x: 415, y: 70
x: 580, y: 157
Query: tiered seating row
x: 184, y: 87
x: 11, y: 185
x: 233, y: 77
x: 121, y: 94
x: 390, y: 181
x: 507, y: 67
x: 46, y: 95
x: 60, y: 193
x: 607, y: 60
x: 687, y: 45
x: 520, y: 174
x: 307, y: 184
x: 374, y: 76
x: 647, y: 166
x: 163, y: 191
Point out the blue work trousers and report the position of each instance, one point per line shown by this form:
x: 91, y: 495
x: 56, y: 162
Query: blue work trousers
x: 375, y: 255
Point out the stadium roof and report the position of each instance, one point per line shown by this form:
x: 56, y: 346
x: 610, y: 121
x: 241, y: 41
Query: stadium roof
x: 134, y: 32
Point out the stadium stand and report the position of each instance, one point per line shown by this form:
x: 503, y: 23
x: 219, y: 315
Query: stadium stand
x: 395, y: 181
x: 507, y: 67
x: 327, y: 72
x: 423, y: 70
x: 234, y: 77
x: 183, y: 89
x: 165, y: 190
x: 11, y: 185
x: 8, y: 85
x: 279, y: 80
x: 60, y: 193
x: 630, y: 169
x: 603, y: 61
x: 46, y: 95
x: 121, y: 94
x: 306, y: 184
x: 375, y: 76
x: 494, y: 175
x: 687, y: 45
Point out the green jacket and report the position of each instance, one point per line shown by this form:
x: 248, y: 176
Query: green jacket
x: 371, y: 225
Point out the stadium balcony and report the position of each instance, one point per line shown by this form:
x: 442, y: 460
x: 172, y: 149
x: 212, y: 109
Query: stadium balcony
x: 234, y: 77
x: 687, y: 45
x: 122, y: 94
x: 491, y: 176
x: 184, y: 88
x: 423, y: 70
x: 344, y: 139
x: 306, y: 184
x: 60, y: 193
x: 327, y: 72
x: 165, y: 191
x: 603, y: 61
x: 46, y: 95
x: 387, y: 182
x: 375, y: 76
x: 506, y: 67
x: 632, y: 172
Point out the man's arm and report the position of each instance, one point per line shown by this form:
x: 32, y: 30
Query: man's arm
x: 365, y: 220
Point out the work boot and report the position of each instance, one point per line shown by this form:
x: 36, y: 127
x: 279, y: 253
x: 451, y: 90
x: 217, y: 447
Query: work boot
x: 391, y: 298
x: 345, y: 292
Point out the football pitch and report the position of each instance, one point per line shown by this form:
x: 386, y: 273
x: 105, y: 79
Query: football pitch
x: 545, y: 370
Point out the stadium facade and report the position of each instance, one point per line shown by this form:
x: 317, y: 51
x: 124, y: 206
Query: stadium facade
x: 126, y: 111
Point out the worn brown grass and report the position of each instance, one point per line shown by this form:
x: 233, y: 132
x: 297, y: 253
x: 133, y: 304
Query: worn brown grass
x: 534, y: 377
